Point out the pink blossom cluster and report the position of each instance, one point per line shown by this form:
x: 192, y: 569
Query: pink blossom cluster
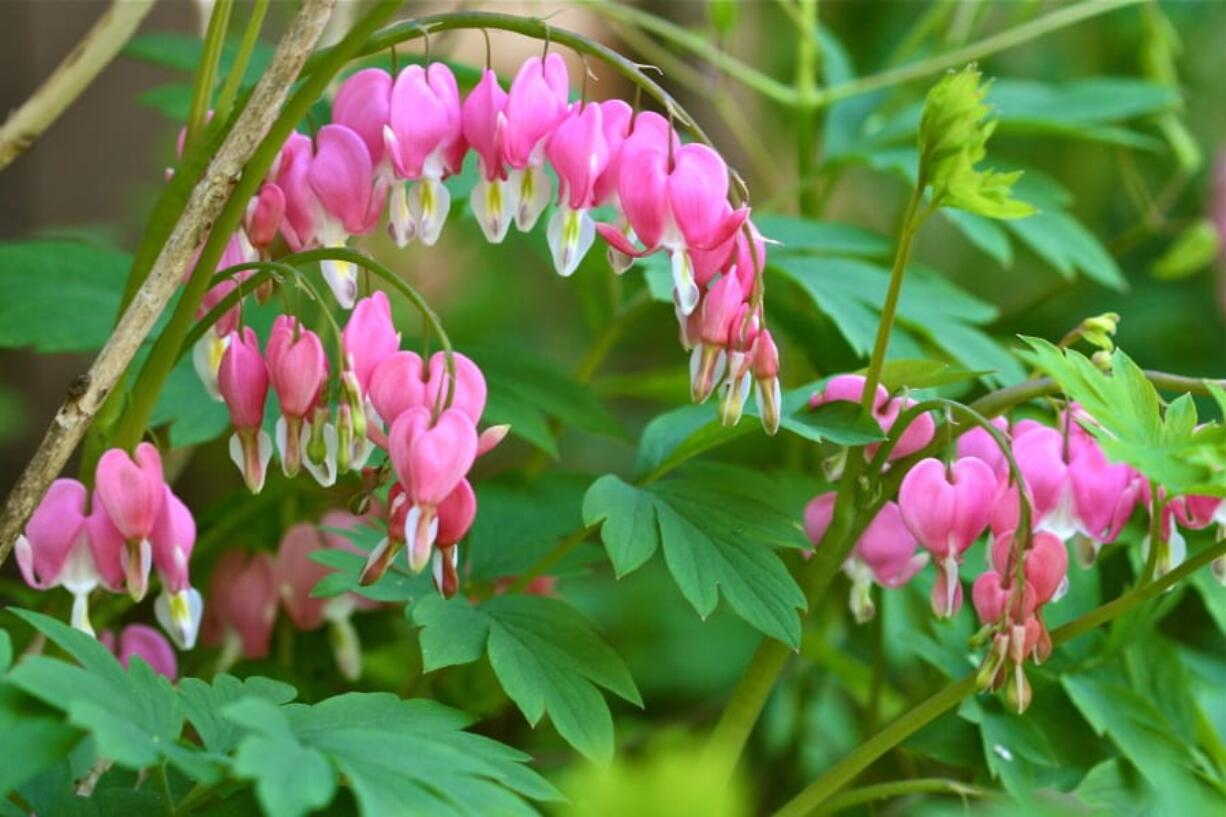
x: 247, y: 591
x: 424, y: 419
x: 131, y: 524
x: 1077, y: 497
x: 393, y: 140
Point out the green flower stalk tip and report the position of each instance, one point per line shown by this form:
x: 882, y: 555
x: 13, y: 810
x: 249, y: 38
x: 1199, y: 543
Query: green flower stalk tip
x: 953, y: 137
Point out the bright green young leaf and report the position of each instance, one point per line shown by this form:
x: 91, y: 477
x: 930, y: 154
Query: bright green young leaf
x: 59, y: 296
x: 953, y: 134
x: 546, y: 656
x: 1130, y: 422
x: 1193, y: 250
x: 716, y: 539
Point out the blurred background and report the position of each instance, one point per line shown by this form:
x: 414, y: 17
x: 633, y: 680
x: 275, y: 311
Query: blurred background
x: 1138, y: 182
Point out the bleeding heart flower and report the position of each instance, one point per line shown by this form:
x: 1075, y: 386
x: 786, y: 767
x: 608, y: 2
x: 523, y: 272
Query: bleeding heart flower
x: 977, y: 442
x: 263, y: 218
x: 484, y: 125
x: 397, y: 384
x: 765, y: 369
x: 243, y: 382
x: 140, y: 640
x: 579, y: 154
x: 424, y: 137
x: 131, y: 490
x: 369, y: 337
x: 720, y: 308
x: 55, y: 549
x: 469, y: 393
x: 363, y: 105
x: 1039, y: 453
x: 947, y: 510
x: 674, y: 200
x: 298, y: 371
x: 619, y: 123
x: 536, y: 104
x: 455, y: 518
x: 242, y: 607
x: 179, y: 607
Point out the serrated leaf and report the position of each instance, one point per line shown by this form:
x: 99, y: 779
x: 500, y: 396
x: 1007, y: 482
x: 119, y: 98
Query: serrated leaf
x: 715, y: 541
x: 547, y: 658
x: 59, y: 296
x: 1068, y: 247
x: 290, y: 779
x: 519, y: 522
x: 204, y: 702
x: 923, y: 374
x: 801, y: 235
x: 131, y: 714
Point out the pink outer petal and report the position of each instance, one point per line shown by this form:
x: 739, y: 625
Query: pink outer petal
x: 131, y: 491
x: 918, y: 434
x: 848, y: 388
x: 929, y: 504
x: 643, y: 191
x: 536, y: 103
x: 424, y: 116
x: 618, y: 241
x: 456, y: 514
x: 297, y: 369
x: 173, y: 538
x: 407, y: 426
x: 342, y: 176
x: 242, y: 380
x: 979, y: 443
x: 297, y: 574
x: 818, y: 514
x: 616, y: 117
x: 370, y: 336
x: 989, y: 597
x: 398, y: 384
x: 152, y: 646
x: 974, y: 486
x: 1046, y: 565
x: 52, y: 532
x: 302, y: 208
x: 106, y: 545
x: 888, y: 547
x: 481, y: 116
x: 579, y: 154
x: 470, y: 390
x: 362, y: 104
x: 439, y: 457
x: 242, y: 600
x: 1039, y: 455
x: 697, y: 191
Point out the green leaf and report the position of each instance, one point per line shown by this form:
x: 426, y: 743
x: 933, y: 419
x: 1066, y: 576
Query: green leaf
x: 1061, y: 241
x: 984, y: 233
x: 1114, y: 787
x: 395, y: 587
x: 681, y: 434
x: 6, y: 651
x: 194, y: 417
x: 132, y: 715
x: 520, y: 522
x: 897, y: 375
x: 1113, y: 708
x: 1192, y: 250
x: 1014, y: 746
x: 524, y: 390
x: 396, y: 757
x: 800, y: 235
x: 1130, y: 423
x: 717, y: 538
x: 203, y: 704
x: 35, y: 738
x: 59, y: 296
x: 546, y: 657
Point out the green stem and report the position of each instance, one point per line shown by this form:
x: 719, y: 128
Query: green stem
x: 806, y: 109
x: 911, y: 222
x: 698, y: 45
x: 820, y: 791
x: 166, y: 350
x: 902, y: 788
x: 1060, y: 18
x: 251, y: 36
x: 206, y: 72
x: 167, y: 797
x: 550, y: 559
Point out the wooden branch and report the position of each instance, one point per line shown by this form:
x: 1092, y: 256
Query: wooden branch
x: 89, y: 392
x: 72, y: 76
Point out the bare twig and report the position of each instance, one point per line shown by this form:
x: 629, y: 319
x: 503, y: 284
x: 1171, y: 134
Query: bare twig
x: 96, y: 49
x: 88, y: 393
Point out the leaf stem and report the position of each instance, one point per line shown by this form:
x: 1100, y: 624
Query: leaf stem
x: 206, y: 71
x: 1060, y: 18
x: 901, y: 788
x: 820, y: 791
x: 238, y: 70
x: 805, y: 107
x: 550, y: 559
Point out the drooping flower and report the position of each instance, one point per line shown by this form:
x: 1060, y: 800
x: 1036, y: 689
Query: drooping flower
x: 243, y: 382
x: 298, y: 371
x: 131, y: 489
x: 578, y: 152
x: 363, y: 104
x: 179, y: 606
x: 675, y: 200
x: 455, y: 518
x: 424, y: 138
x: 947, y: 510
x: 483, y: 117
x: 536, y: 103
x: 767, y: 392
x: 242, y: 607
x: 708, y: 362
x: 140, y: 640
x: 54, y: 550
